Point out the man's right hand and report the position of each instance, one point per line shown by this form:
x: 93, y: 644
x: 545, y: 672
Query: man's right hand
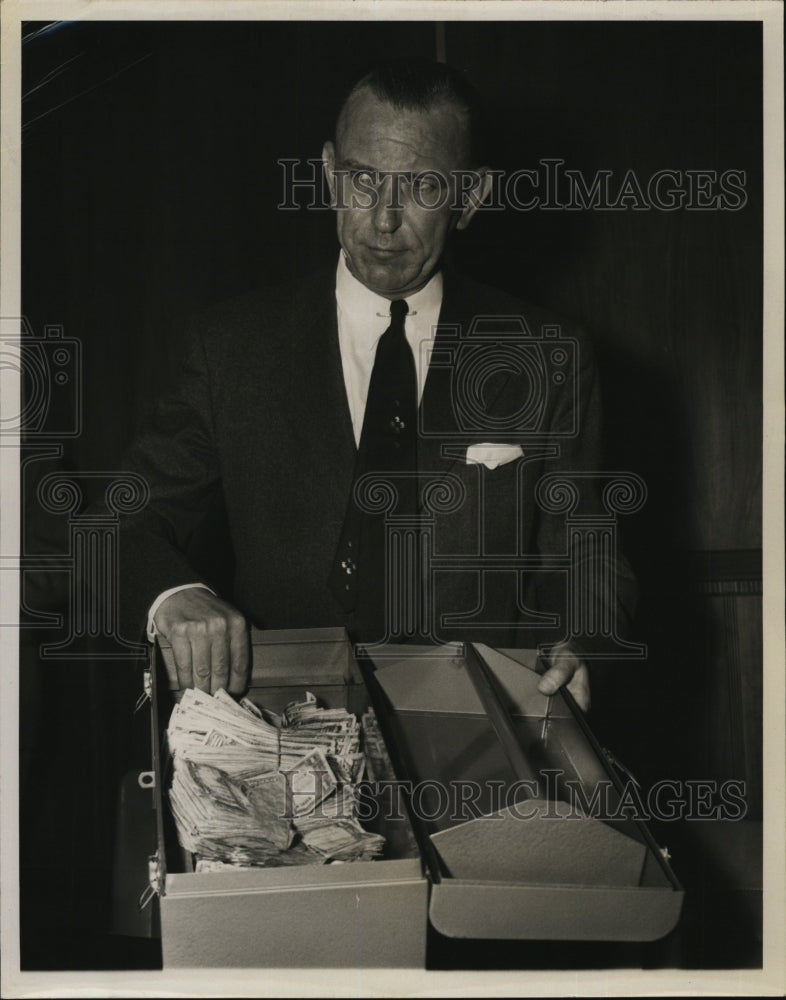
x: 209, y: 639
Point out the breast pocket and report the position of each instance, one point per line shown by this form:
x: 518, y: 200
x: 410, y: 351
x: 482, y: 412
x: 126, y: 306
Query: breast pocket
x: 503, y: 477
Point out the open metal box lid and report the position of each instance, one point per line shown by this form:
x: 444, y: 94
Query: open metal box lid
x: 519, y: 812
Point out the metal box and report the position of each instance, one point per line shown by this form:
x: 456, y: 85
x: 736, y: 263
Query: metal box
x: 481, y: 848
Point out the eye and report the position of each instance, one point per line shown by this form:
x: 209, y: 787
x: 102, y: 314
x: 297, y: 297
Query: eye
x: 426, y: 187
x: 364, y: 178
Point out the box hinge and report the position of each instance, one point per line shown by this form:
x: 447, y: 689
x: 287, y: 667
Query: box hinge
x: 153, y: 888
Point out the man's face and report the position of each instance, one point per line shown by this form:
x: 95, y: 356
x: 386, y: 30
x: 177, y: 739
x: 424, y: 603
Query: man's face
x: 392, y: 239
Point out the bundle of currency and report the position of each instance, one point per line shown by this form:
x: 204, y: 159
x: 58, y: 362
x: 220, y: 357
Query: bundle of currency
x: 254, y: 789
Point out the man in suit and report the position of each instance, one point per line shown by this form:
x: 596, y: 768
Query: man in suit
x: 275, y: 407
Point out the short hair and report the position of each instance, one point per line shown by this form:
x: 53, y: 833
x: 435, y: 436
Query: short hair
x: 420, y: 84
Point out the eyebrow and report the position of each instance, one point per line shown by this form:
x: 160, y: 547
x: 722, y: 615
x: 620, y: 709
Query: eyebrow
x: 355, y: 165
x: 351, y: 164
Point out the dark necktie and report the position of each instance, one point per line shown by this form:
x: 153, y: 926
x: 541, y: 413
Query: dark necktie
x: 387, y: 450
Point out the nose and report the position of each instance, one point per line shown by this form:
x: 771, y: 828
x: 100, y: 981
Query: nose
x: 387, y: 211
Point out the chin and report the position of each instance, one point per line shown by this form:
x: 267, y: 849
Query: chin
x: 383, y: 281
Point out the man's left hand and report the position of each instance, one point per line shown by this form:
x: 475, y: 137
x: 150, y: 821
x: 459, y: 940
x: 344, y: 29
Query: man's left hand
x: 567, y: 669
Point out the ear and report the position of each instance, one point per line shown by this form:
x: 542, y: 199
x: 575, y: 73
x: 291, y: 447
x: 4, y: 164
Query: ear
x: 329, y: 163
x: 475, y: 197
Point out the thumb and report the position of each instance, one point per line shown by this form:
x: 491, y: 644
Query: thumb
x: 557, y: 675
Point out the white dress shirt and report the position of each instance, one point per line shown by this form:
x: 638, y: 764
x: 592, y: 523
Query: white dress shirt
x: 363, y: 316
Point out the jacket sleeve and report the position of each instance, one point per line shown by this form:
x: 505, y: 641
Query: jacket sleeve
x: 599, y: 594
x: 174, y: 453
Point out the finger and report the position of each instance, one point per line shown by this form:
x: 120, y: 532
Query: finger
x: 200, y: 660
x: 219, y: 660
x: 239, y: 656
x: 579, y: 687
x: 557, y: 675
x: 181, y: 650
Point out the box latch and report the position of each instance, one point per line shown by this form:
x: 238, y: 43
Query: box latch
x: 147, y: 690
x: 153, y: 887
x: 617, y: 763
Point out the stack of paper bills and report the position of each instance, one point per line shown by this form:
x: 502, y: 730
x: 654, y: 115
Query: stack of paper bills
x: 254, y: 789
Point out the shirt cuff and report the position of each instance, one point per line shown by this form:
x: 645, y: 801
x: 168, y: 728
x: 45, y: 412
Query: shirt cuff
x: 152, y: 631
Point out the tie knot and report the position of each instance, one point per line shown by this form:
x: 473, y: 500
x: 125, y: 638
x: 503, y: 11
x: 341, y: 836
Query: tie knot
x: 398, y: 310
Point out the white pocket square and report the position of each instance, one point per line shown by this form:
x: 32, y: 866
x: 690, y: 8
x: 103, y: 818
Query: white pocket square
x: 492, y: 455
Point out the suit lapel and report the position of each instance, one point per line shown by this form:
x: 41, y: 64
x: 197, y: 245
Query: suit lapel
x: 442, y: 442
x: 323, y: 396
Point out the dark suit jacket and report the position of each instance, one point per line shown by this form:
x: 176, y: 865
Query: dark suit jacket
x: 258, y: 410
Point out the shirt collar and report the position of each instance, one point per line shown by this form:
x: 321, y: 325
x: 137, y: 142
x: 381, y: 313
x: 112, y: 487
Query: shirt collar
x: 365, y: 306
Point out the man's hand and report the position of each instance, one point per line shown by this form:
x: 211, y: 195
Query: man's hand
x: 209, y: 640
x: 566, y: 668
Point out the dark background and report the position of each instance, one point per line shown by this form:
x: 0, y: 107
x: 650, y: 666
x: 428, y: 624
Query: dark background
x: 150, y: 187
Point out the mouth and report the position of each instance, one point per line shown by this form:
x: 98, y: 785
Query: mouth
x: 383, y: 253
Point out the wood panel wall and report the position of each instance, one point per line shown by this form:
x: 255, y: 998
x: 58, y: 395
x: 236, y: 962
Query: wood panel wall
x: 672, y: 299
x: 730, y: 585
